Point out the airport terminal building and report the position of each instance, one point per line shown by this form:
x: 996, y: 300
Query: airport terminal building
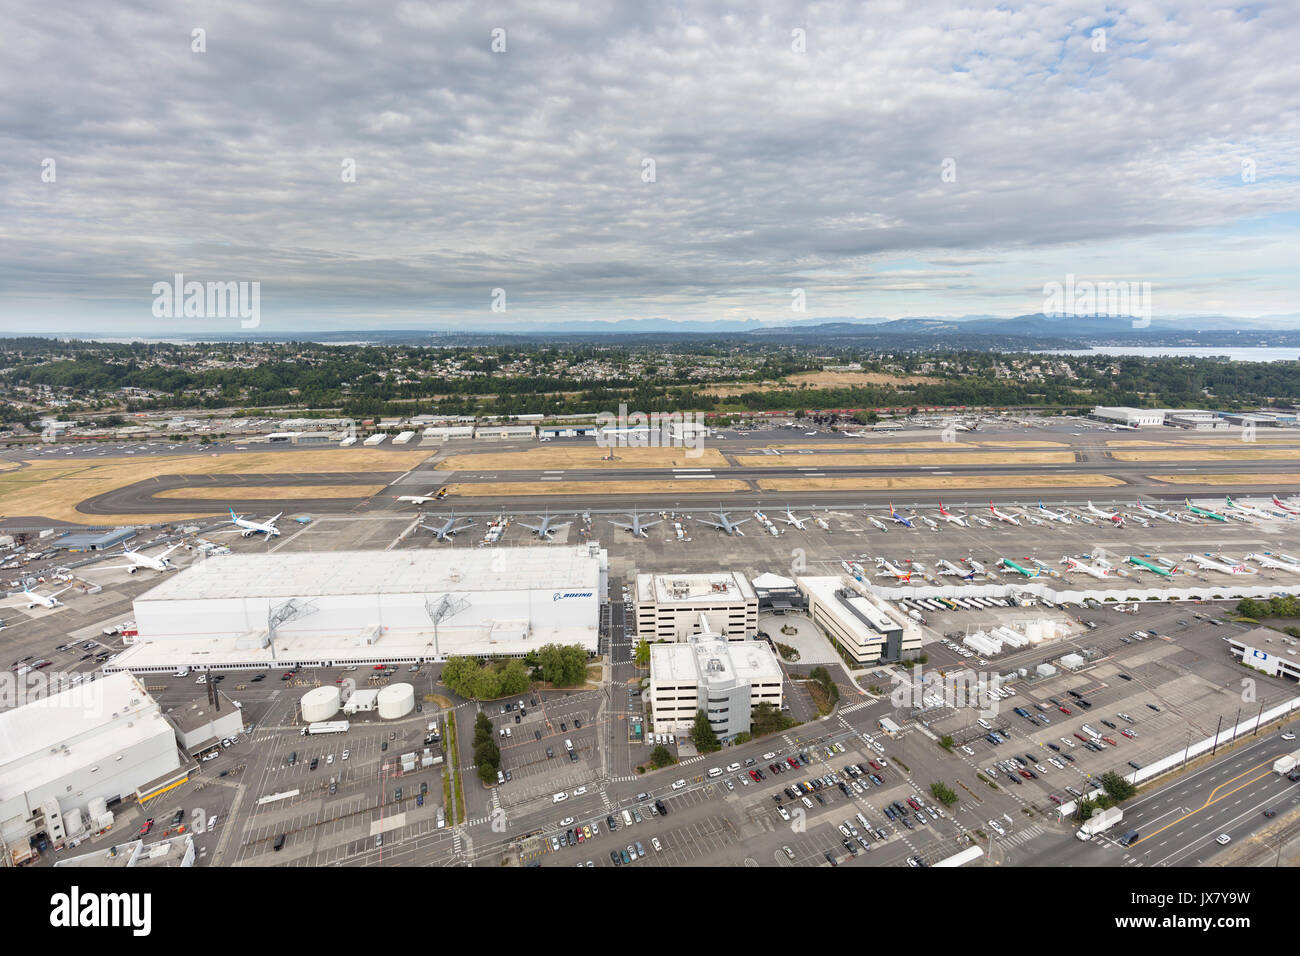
x: 255, y: 611
x: 669, y: 606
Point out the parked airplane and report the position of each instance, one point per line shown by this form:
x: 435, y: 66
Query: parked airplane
x: 420, y: 500
x: 792, y: 519
x: 959, y: 520
x: 905, y: 522
x: 1268, y: 561
x: 724, y: 523
x: 1060, y: 516
x: 1155, y: 568
x: 1032, y: 519
x: 1008, y: 563
x: 947, y: 567
x: 448, y: 529
x: 1080, y: 516
x: 1092, y: 570
x: 542, y: 530
x: 1002, y: 515
x: 880, y: 525
x: 1287, y: 508
x: 975, y: 566
x: 1152, y: 512
x: 821, y: 523
x: 930, y: 522
x: 1112, y: 516
x: 637, y: 527
x: 1247, y: 509
x: 1209, y: 564
x: 139, y: 560
x: 250, y: 528
x: 1140, y: 520
x: 1203, y: 512
x: 890, y: 570
x: 44, y: 601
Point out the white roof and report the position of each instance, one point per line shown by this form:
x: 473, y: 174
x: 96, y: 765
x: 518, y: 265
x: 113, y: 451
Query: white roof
x: 770, y: 580
x: 750, y: 661
x: 307, y: 574
x: 694, y: 588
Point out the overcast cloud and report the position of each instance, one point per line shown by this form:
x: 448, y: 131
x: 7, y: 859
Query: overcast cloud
x: 523, y: 170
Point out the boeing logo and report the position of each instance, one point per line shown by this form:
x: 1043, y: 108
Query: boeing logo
x: 557, y: 596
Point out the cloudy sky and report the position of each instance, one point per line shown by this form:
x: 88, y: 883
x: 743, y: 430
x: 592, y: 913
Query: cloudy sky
x: 625, y: 160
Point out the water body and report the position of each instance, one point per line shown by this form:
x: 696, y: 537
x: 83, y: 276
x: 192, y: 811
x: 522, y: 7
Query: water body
x: 1241, y: 354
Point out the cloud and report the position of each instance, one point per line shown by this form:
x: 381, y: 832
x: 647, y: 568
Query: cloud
x: 523, y: 170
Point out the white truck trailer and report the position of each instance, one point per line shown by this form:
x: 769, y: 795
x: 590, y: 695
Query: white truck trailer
x: 326, y: 727
x: 1284, y: 765
x: 1099, y: 822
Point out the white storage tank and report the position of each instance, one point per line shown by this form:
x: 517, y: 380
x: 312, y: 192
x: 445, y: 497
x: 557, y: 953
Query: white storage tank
x: 396, y: 700
x: 320, y: 703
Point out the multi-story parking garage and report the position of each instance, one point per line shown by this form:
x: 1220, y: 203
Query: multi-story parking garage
x: 351, y: 607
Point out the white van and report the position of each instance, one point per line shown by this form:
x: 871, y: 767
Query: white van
x: 984, y: 723
x: 627, y: 818
x: 568, y: 744
x: 560, y: 797
x: 715, y: 772
x: 678, y: 784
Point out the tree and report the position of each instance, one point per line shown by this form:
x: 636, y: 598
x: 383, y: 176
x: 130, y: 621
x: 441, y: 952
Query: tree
x: 514, y: 679
x: 661, y: 756
x: 766, y: 719
x: 706, y: 740
x: 1116, y: 787
x: 943, y: 793
x: 643, y: 654
x: 482, y: 729
x: 946, y: 741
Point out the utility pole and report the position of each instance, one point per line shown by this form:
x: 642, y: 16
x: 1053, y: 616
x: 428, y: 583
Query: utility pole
x: 1216, y: 737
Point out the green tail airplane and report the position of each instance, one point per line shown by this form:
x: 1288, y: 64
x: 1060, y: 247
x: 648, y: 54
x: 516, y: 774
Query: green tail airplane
x: 1008, y: 563
x: 1163, y: 572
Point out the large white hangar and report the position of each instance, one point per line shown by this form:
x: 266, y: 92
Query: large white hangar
x: 363, y: 607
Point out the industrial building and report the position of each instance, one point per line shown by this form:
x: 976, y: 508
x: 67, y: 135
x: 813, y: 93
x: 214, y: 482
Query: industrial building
x: 726, y: 679
x: 254, y: 611
x: 202, y: 725
x: 1132, y: 417
x: 1248, y: 649
x: 504, y: 432
x: 95, y: 541
x: 672, y: 607
x: 867, y: 629
x: 68, y: 759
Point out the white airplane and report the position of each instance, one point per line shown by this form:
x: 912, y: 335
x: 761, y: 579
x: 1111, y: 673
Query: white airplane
x: 1032, y: 519
x: 139, y: 560
x: 821, y: 523
x: 795, y: 520
x: 1051, y: 515
x: 1208, y: 564
x: 879, y: 525
x: 1140, y: 520
x: 1248, y: 509
x: 724, y: 523
x: 448, y: 529
x: 637, y: 527
x: 1287, y: 508
x: 976, y: 566
x: 931, y: 522
x: 890, y: 571
x: 959, y: 520
x: 1268, y: 561
x: 420, y: 499
x: 1092, y: 570
x: 1114, y: 517
x: 251, y: 528
x: 542, y: 530
x: 42, y: 600
x: 947, y: 567
x: 1002, y: 515
x: 982, y: 521
x: 1154, y: 513
x: 1080, y: 516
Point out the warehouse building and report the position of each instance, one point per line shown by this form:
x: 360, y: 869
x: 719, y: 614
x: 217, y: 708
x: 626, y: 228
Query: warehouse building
x: 95, y: 541
x: 726, y: 679
x: 1247, y: 648
x: 672, y: 607
x: 504, y: 432
x: 1132, y: 417
x: 868, y: 629
x: 201, y: 725
x: 254, y: 611
x: 68, y: 759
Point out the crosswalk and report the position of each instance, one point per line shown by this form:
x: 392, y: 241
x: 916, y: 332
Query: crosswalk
x: 625, y: 778
x: 851, y: 708
x: 688, y: 760
x: 1022, y: 836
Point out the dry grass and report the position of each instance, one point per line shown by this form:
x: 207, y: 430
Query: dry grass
x: 1259, y: 440
x: 668, y: 486
x: 1023, y: 444
x: 1137, y: 443
x: 884, y: 444
x: 259, y: 492
x: 903, y: 460
x: 818, y: 380
x: 926, y: 481
x: 1211, y: 454
x: 1251, y: 479
x: 53, y: 489
x: 586, y: 456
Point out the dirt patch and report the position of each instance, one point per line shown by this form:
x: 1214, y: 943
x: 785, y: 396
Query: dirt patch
x: 261, y: 492
x: 1211, y: 454
x: 903, y: 459
x: 586, y: 456
x: 668, y: 486
x: 1252, y: 479
x: 927, y: 481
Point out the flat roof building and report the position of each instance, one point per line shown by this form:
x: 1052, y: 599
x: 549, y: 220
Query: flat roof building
x: 726, y: 679
x: 239, y: 611
x: 868, y: 629
x: 95, y: 541
x: 1248, y: 649
x: 1133, y: 417
x: 669, y: 606
x: 200, y: 724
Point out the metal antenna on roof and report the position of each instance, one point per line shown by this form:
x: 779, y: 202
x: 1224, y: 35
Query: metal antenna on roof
x: 278, y: 614
x: 439, y: 611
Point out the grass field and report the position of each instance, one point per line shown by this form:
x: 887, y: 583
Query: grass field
x: 666, y: 487
x: 1257, y: 479
x: 586, y: 456
x: 902, y: 459
x: 1211, y: 454
x: 873, y: 446
x: 53, y: 489
x: 260, y: 492
x: 912, y: 482
x: 818, y: 380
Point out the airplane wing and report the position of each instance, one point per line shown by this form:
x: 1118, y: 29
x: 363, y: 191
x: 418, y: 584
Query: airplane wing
x: 168, y: 551
x: 714, y: 523
x: 532, y: 527
x: 625, y: 527
x: 734, y: 523
x: 60, y: 591
x: 117, y: 567
x: 651, y: 524
x: 272, y: 520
